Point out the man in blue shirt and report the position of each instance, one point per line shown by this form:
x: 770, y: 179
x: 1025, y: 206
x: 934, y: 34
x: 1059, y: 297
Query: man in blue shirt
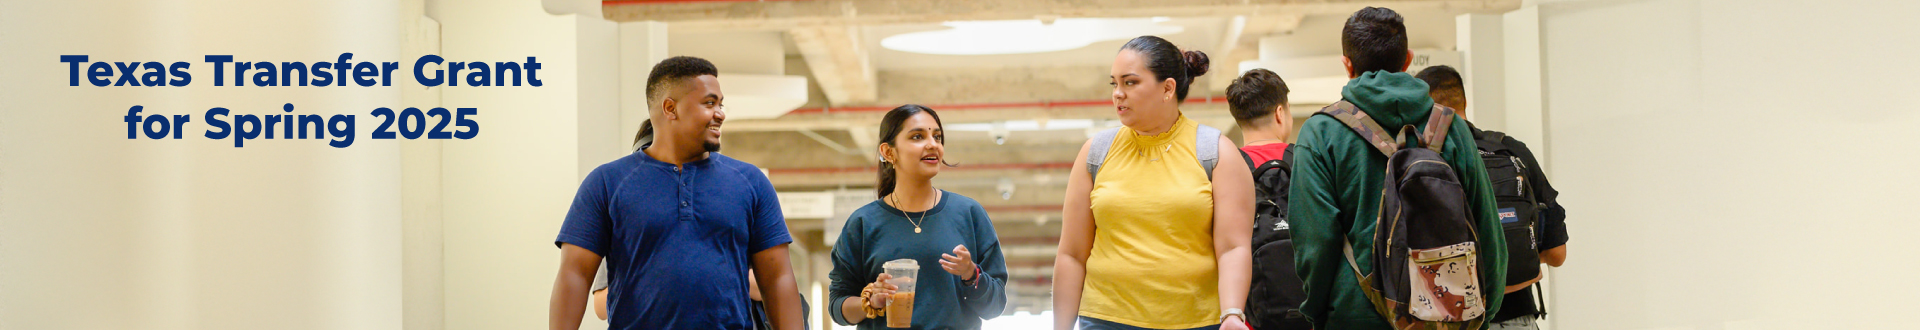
x: 678, y: 224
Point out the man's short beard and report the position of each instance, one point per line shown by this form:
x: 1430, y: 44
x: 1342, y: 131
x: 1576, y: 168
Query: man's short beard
x: 710, y: 146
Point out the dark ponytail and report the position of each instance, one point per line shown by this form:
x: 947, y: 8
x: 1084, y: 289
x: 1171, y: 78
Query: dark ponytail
x: 890, y: 127
x: 646, y: 133
x: 887, y: 178
x: 1167, y: 61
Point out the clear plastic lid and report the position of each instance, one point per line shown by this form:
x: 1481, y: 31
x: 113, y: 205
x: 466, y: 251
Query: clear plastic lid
x: 903, y: 271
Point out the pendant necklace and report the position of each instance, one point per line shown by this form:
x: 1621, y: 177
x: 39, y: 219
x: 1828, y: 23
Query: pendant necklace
x: 903, y: 213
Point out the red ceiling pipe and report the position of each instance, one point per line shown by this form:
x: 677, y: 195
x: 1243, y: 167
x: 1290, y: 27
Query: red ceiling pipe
x: 963, y: 167
x: 664, y: 2
x: 989, y: 106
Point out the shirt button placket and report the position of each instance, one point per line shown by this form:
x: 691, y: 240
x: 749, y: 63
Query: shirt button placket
x: 686, y: 207
x: 679, y: 212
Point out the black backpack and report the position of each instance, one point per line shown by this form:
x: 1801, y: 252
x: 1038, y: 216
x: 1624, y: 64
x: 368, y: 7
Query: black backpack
x: 1273, y: 300
x: 1425, y: 262
x: 1518, y: 209
x: 761, y: 321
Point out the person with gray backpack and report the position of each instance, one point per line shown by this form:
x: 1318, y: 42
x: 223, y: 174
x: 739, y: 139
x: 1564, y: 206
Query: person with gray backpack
x: 1163, y: 199
x: 1391, y: 211
x: 1530, y: 213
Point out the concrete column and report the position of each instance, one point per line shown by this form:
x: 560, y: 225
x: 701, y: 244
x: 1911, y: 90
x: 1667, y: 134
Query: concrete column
x: 1483, y: 68
x: 1525, y: 108
x: 599, y: 93
x: 423, y: 236
x: 642, y: 44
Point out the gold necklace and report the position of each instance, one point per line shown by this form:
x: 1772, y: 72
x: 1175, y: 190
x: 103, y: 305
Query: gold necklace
x: 903, y: 213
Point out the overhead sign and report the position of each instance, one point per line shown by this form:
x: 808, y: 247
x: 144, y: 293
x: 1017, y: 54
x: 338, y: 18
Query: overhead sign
x: 806, y: 205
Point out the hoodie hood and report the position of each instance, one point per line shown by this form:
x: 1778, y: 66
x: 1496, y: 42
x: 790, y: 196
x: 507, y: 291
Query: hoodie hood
x: 1393, y: 99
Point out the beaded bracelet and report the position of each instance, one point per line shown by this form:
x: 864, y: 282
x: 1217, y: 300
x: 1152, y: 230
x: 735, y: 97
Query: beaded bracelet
x: 975, y: 282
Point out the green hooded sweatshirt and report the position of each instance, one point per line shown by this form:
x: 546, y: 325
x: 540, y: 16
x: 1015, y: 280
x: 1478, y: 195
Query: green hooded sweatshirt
x: 1335, y: 196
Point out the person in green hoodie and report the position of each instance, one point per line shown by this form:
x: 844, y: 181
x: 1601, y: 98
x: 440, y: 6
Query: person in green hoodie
x: 1337, y: 177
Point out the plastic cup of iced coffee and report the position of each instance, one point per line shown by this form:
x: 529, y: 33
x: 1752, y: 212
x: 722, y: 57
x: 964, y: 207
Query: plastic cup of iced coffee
x: 900, y: 305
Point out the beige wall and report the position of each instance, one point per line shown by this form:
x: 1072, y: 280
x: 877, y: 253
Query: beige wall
x: 1733, y: 164
x: 101, y: 232
x: 507, y: 192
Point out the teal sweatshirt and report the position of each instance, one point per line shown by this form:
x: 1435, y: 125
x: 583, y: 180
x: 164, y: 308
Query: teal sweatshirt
x: 878, y: 233
x: 1336, y: 187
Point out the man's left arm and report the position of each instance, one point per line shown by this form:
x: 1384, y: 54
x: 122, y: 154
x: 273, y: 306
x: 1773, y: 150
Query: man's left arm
x: 771, y: 267
x: 782, y: 296
x: 1553, y: 220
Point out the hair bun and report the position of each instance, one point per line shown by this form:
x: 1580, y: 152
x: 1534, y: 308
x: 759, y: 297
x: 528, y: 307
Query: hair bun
x: 1197, y: 63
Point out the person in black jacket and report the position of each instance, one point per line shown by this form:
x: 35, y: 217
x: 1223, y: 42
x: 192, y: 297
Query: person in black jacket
x: 1550, y: 238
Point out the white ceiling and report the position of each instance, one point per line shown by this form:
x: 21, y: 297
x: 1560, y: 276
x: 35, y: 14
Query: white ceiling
x: 1319, y: 35
x: 1199, y: 32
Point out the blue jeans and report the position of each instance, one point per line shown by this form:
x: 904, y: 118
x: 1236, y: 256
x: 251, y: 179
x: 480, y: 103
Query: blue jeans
x: 1088, y: 323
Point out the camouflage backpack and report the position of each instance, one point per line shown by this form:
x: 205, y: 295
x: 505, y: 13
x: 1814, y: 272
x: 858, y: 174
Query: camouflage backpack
x: 1425, y: 262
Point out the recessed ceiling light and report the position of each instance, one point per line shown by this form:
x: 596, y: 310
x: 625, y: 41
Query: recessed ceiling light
x: 1025, y: 36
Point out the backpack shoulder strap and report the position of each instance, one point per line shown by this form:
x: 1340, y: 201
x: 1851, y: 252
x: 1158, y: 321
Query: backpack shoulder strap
x: 1206, y: 146
x: 1286, y: 156
x: 1346, y: 247
x: 1492, y: 135
x: 1541, y: 294
x: 1097, y: 153
x: 1250, y: 165
x: 1284, y: 165
x: 1358, y: 120
x: 1438, y: 123
x: 1490, y: 140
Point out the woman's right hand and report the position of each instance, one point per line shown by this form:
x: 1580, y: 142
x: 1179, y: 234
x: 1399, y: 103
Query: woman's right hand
x: 880, y: 291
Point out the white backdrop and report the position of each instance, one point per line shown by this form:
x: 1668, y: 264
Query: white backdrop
x: 1734, y: 164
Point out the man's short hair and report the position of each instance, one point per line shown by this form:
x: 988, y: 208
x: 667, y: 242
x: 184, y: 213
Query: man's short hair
x: 1255, y: 95
x: 1445, y: 85
x: 672, y: 70
x: 1375, y: 39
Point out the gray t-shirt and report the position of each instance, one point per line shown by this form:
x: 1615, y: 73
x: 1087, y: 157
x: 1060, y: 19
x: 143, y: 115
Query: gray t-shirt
x: 600, y: 279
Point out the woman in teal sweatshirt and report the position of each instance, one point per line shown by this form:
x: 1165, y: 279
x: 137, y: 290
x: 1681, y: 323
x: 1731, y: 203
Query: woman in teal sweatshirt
x: 962, y: 277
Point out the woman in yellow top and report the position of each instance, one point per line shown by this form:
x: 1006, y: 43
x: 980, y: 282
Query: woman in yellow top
x: 1150, y: 241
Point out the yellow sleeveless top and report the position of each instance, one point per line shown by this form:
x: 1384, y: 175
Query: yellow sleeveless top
x: 1152, y: 263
